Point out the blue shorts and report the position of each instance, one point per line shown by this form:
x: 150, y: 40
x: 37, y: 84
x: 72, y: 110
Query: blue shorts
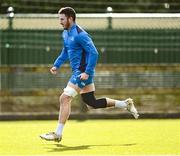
x: 75, y: 79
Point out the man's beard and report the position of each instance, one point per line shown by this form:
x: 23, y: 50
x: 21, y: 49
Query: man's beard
x: 67, y: 26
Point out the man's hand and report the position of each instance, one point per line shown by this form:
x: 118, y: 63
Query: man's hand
x: 53, y: 70
x: 84, y: 76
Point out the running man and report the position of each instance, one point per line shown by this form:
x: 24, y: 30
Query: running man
x: 80, y: 50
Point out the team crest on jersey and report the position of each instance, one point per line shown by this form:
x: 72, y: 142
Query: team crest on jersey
x: 72, y: 38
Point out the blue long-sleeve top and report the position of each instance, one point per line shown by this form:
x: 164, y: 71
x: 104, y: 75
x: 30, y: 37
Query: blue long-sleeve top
x: 79, y: 49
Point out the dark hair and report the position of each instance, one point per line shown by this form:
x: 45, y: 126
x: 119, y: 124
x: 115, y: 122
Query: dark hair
x: 69, y: 12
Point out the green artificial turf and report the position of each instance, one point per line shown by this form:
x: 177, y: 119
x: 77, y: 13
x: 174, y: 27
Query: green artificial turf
x: 92, y: 137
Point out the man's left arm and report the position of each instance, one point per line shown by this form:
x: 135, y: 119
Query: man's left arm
x: 86, y: 42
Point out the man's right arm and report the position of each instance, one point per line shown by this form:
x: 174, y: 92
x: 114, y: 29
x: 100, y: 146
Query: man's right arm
x: 59, y: 61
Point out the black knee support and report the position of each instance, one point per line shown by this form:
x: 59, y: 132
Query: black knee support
x: 90, y: 100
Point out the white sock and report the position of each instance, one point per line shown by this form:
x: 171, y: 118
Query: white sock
x: 120, y: 104
x: 59, y: 129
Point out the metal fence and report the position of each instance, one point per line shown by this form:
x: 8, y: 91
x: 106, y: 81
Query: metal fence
x: 34, y: 39
x: 114, y: 46
x: 119, y: 38
x: 34, y: 78
x: 138, y: 53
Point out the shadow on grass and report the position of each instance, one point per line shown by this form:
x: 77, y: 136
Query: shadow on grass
x: 62, y: 148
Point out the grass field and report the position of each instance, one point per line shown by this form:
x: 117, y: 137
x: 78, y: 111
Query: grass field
x: 92, y: 137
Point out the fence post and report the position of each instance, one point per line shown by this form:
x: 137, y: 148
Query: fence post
x: 109, y: 11
x: 10, y: 15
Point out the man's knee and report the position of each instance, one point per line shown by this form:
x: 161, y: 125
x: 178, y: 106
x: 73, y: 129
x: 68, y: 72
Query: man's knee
x: 68, y: 94
x: 90, y: 100
x: 64, y: 98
